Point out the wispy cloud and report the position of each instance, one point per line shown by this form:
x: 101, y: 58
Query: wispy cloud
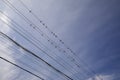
x: 7, y: 71
x: 3, y: 27
x: 5, y: 52
x: 76, y: 20
x: 102, y: 77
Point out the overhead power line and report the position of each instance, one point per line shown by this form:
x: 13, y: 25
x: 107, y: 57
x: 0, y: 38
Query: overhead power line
x: 74, y: 59
x: 28, y: 65
x: 36, y: 56
x: 21, y: 68
x: 60, y: 40
x: 39, y: 48
x: 28, y: 57
x: 35, y: 45
x: 38, y: 29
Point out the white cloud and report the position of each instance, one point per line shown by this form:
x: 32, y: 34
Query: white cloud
x: 102, y: 77
x: 3, y: 27
x: 6, y: 69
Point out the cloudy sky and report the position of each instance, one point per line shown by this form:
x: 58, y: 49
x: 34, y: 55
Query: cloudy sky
x: 89, y: 27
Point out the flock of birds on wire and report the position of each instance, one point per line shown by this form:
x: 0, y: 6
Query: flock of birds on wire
x: 71, y: 55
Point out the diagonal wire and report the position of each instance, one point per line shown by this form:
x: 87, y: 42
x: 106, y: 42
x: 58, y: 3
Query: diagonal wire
x: 49, y: 56
x: 36, y: 56
x: 21, y: 68
x: 61, y: 41
x: 34, y: 45
x: 25, y: 58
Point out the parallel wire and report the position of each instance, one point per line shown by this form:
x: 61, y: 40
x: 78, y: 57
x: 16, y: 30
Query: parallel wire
x: 32, y: 37
x: 76, y: 64
x: 21, y: 68
x: 16, y: 24
x: 54, y: 34
x: 29, y: 66
x: 26, y: 55
x: 36, y: 45
x: 26, y: 17
x: 36, y: 56
x: 61, y: 41
x: 39, y: 30
x: 52, y: 41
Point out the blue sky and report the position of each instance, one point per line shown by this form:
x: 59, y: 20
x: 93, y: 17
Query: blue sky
x: 89, y: 27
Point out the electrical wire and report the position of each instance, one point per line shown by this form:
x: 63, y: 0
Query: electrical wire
x: 28, y: 21
x: 21, y: 68
x: 76, y: 64
x: 64, y: 67
x: 28, y: 39
x: 36, y: 56
x: 26, y: 57
x: 29, y: 66
x: 56, y: 36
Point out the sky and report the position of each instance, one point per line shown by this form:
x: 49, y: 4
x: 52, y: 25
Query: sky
x: 89, y: 27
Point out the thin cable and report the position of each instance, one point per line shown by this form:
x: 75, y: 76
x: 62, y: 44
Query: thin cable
x: 29, y: 66
x: 21, y: 68
x: 77, y: 63
x: 33, y: 24
x: 58, y: 62
x: 24, y: 16
x: 32, y: 43
x: 25, y: 31
x: 25, y: 57
x: 54, y: 34
x: 36, y: 56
